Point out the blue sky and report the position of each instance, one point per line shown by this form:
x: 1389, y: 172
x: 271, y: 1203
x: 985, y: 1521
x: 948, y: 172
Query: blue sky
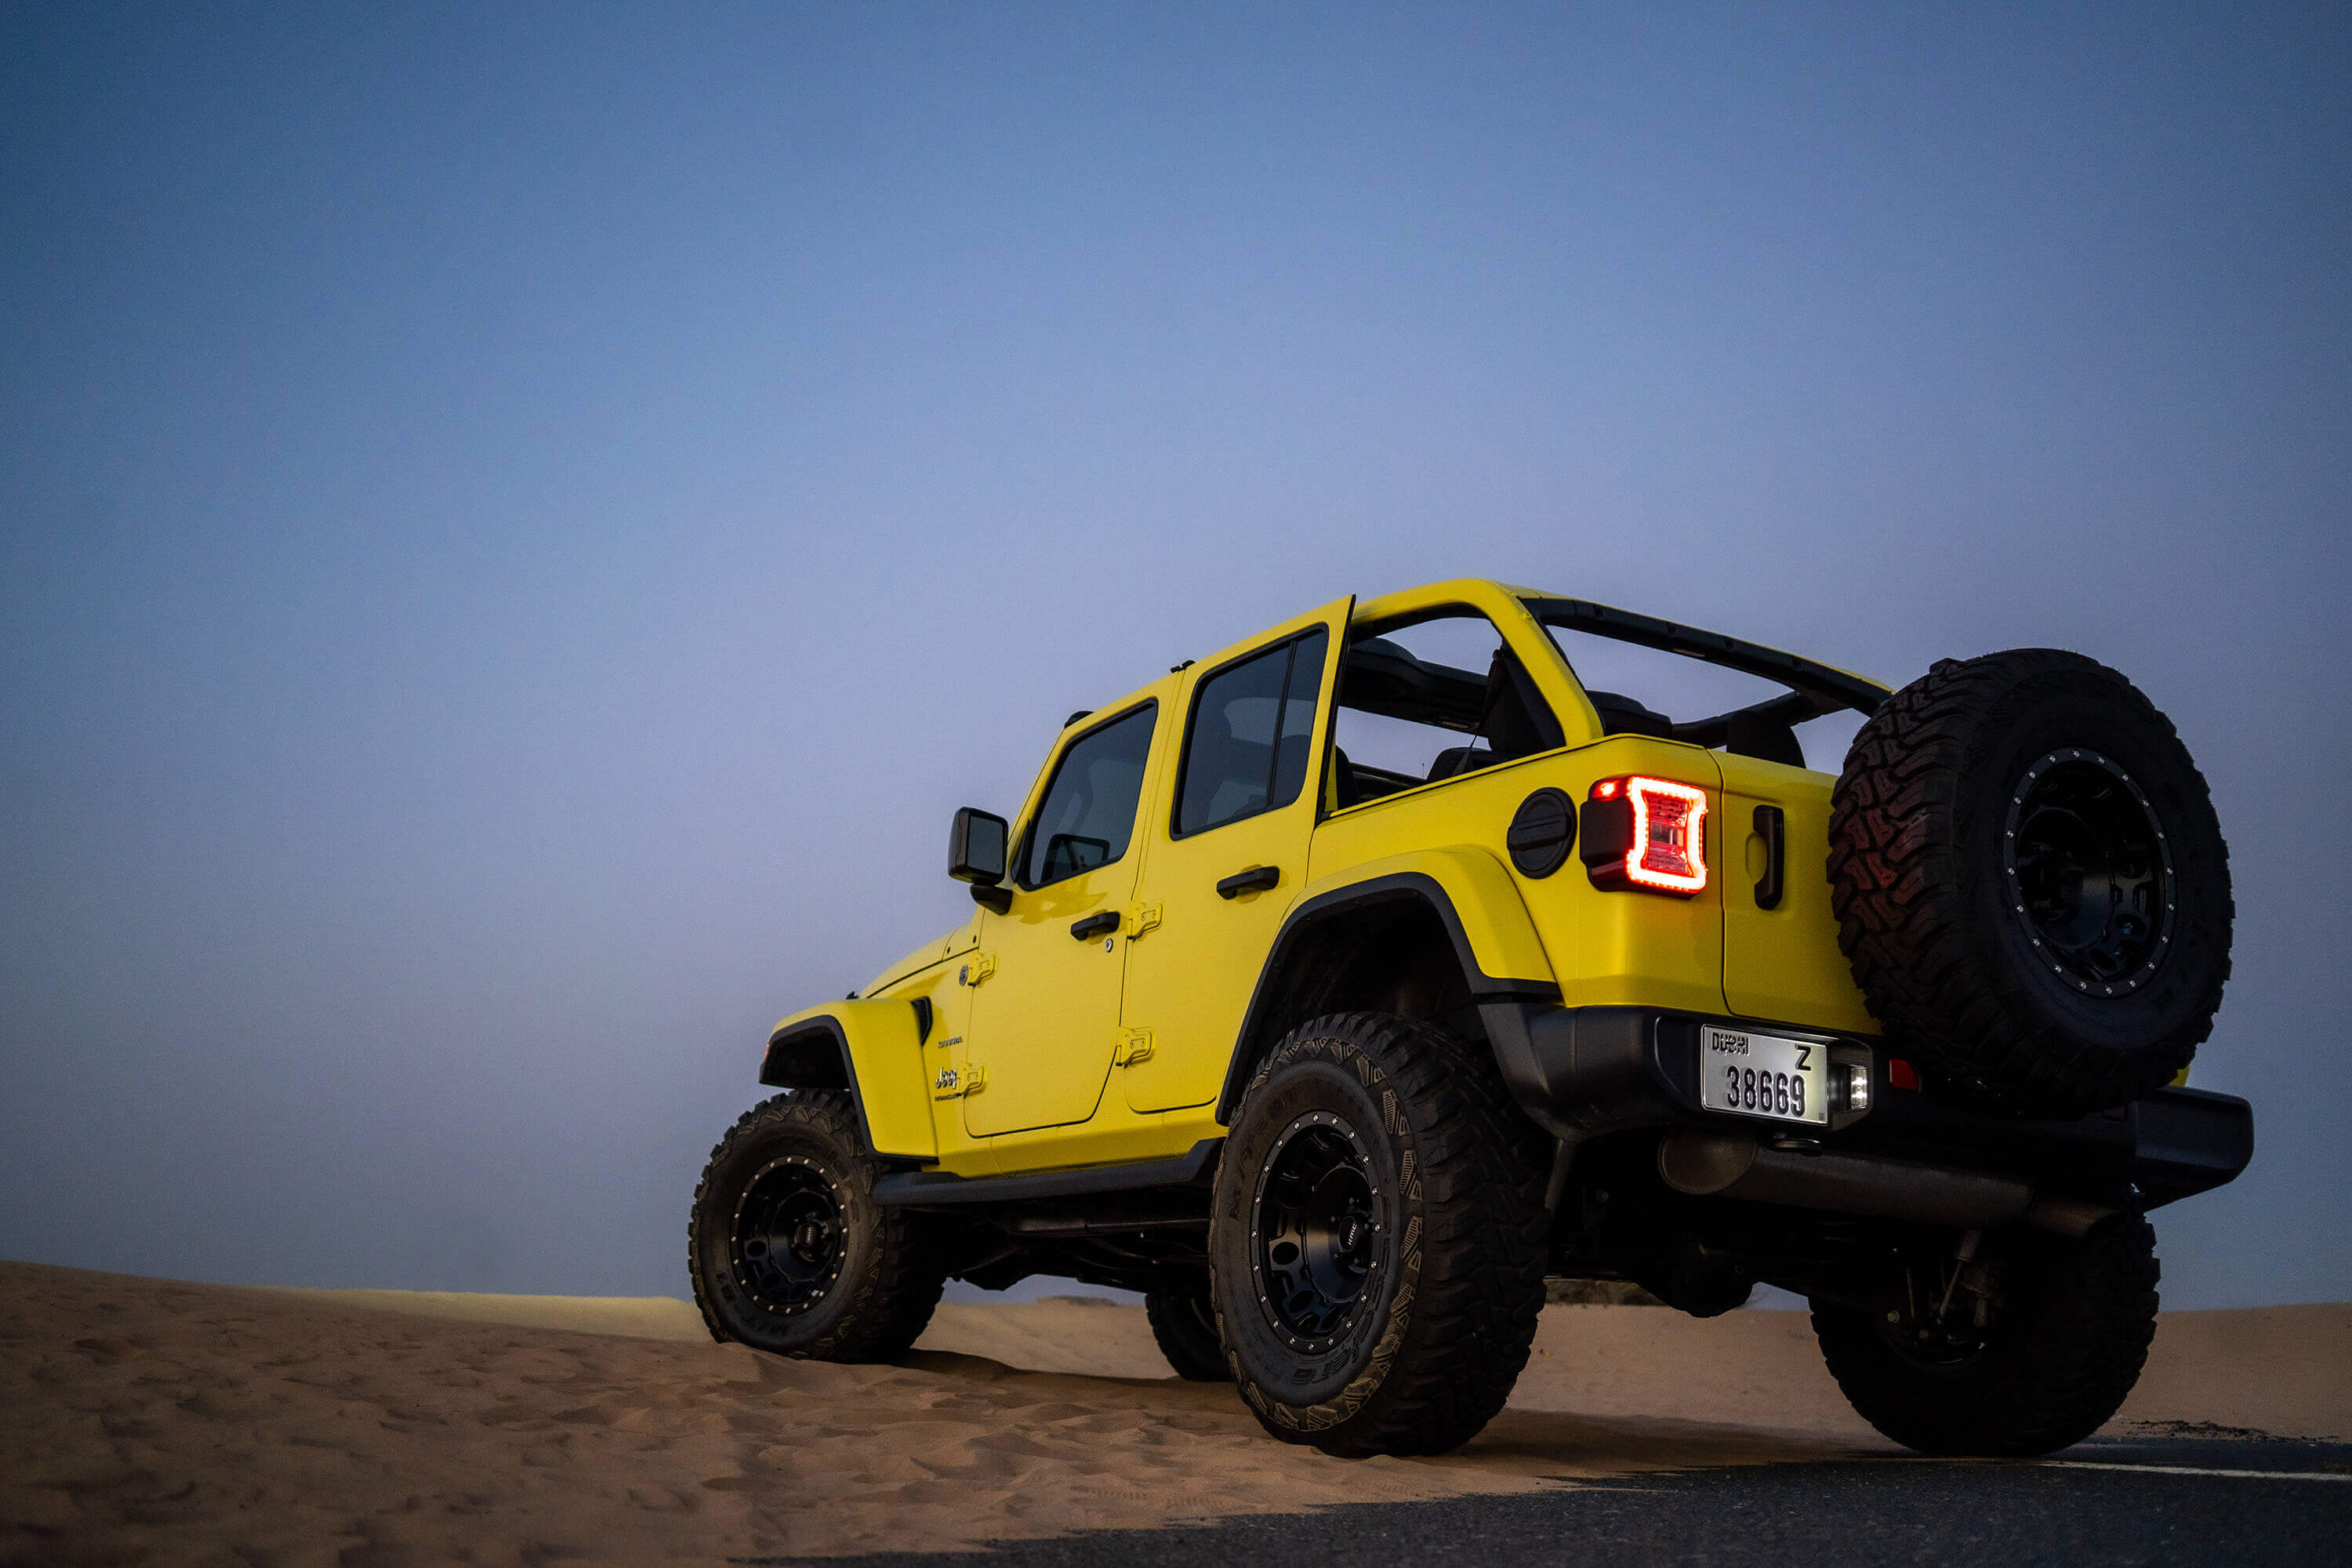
x: 517, y: 525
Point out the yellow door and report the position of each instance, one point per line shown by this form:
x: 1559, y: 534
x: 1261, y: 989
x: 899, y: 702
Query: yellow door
x: 1044, y: 1012
x: 1227, y: 857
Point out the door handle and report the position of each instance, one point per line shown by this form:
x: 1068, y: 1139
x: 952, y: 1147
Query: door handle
x: 1772, y: 827
x: 1255, y: 880
x: 1095, y: 925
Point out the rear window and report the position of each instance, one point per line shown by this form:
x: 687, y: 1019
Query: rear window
x: 1253, y: 730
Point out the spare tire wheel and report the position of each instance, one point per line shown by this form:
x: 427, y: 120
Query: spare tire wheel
x: 2031, y: 884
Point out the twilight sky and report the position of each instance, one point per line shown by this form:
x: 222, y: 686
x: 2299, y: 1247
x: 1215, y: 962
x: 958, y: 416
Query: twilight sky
x: 518, y: 524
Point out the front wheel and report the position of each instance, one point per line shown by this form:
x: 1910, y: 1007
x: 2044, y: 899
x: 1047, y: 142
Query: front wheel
x: 1377, y: 1246
x: 2025, y: 1349
x: 788, y: 1251
x: 1185, y: 1322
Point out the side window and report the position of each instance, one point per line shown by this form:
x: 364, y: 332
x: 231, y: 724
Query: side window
x: 1253, y: 729
x: 1430, y: 699
x: 1088, y: 815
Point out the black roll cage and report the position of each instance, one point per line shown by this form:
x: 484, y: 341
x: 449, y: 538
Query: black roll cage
x: 1814, y: 689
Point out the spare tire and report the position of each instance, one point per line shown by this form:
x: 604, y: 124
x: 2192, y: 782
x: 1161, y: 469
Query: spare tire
x: 2031, y: 884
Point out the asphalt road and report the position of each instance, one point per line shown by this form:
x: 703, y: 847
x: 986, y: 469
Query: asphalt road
x: 2168, y: 1501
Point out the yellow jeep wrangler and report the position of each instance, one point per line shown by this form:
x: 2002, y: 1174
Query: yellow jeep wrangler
x: 1338, y: 990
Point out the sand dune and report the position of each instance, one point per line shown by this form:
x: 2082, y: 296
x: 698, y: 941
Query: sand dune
x: 155, y: 1421
x: 631, y: 1317
x: 2283, y: 1369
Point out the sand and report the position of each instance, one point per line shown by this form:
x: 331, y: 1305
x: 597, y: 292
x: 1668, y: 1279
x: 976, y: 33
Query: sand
x: 151, y: 1421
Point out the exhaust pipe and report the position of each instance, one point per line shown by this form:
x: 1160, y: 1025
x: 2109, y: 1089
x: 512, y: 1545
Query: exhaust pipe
x: 1734, y: 1165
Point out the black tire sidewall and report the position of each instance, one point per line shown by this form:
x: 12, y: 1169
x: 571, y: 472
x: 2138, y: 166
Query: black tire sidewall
x: 2159, y: 1024
x: 1928, y: 919
x: 814, y: 1133
x: 1320, y: 1391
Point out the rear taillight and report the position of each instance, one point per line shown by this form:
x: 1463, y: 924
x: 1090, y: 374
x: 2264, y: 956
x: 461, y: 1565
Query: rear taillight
x: 1646, y: 835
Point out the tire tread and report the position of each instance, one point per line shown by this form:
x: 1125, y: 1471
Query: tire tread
x: 2073, y: 1373
x: 895, y: 1300
x: 1484, y: 1242
x: 1898, y: 893
x: 1187, y: 1334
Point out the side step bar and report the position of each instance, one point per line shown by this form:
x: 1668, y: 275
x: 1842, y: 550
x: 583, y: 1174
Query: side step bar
x: 928, y: 1189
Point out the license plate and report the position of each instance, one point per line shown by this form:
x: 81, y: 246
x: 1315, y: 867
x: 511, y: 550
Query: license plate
x: 1764, y: 1075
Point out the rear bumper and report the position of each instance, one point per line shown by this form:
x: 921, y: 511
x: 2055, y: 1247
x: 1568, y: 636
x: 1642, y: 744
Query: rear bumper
x: 1583, y: 1071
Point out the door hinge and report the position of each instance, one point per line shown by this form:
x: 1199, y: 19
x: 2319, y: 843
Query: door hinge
x: 1142, y: 918
x: 981, y: 965
x: 1134, y: 1045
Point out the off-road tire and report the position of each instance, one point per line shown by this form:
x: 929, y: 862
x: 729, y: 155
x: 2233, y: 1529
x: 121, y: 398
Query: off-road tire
x: 1450, y: 1271
x: 1924, y: 830
x: 2054, y: 1372
x: 886, y: 1273
x: 1185, y: 1325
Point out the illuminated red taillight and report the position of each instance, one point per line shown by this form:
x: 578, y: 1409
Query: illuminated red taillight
x: 1646, y: 833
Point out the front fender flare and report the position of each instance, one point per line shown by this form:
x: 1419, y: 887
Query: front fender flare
x: 874, y: 1050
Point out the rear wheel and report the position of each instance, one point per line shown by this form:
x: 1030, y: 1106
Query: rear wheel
x: 2028, y: 1347
x: 1185, y: 1325
x: 1377, y: 1246
x: 788, y: 1249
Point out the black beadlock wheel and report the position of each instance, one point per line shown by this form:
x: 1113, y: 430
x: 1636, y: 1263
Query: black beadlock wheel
x: 2046, y: 1360
x: 2087, y: 871
x: 2031, y: 884
x: 1377, y: 1246
x: 1314, y: 1230
x: 785, y: 1237
x: 787, y: 1249
x: 1185, y: 1326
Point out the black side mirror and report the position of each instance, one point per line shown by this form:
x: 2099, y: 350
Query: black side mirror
x: 976, y: 855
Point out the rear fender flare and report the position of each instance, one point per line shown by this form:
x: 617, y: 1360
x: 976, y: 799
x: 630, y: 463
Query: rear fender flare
x: 874, y: 1050
x: 1473, y: 897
